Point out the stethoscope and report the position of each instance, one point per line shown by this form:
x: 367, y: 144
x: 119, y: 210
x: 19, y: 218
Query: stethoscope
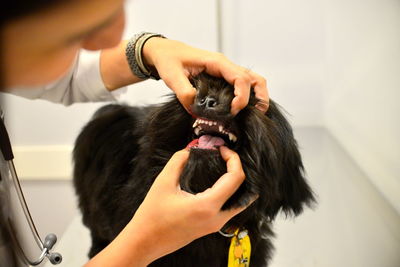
x: 16, y: 217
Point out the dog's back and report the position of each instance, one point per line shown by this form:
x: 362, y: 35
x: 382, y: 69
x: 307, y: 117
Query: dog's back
x: 102, y: 165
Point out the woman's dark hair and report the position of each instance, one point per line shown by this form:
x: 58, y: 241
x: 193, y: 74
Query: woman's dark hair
x: 13, y: 9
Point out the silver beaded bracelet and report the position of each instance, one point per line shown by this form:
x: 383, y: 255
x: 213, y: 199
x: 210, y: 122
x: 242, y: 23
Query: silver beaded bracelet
x: 133, y: 52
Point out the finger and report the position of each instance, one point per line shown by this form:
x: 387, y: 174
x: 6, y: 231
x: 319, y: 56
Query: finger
x: 263, y: 103
x: 242, y: 94
x: 171, y: 173
x: 259, y: 84
x: 236, y: 75
x: 232, y: 159
x: 228, y: 183
x: 176, y: 79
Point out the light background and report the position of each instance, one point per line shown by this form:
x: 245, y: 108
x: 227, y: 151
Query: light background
x: 332, y: 64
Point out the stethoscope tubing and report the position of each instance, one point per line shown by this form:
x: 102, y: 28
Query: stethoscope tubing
x: 51, y: 239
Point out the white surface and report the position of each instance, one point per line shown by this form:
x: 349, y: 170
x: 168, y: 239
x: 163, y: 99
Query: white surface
x: 285, y: 42
x: 51, y: 204
x: 352, y: 225
x: 362, y: 90
x: 43, y: 162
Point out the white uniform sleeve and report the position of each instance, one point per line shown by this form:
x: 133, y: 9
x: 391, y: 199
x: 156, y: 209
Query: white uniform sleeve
x: 83, y: 83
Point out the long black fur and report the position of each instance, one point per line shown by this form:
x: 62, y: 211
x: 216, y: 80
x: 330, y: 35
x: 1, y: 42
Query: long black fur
x: 122, y: 149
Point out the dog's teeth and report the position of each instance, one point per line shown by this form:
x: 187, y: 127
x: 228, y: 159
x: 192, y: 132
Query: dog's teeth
x: 215, y: 123
x: 197, y: 130
x: 220, y: 128
x: 195, y: 124
x: 232, y: 137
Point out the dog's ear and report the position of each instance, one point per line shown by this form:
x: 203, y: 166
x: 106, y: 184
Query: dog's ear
x: 293, y: 190
x: 272, y: 162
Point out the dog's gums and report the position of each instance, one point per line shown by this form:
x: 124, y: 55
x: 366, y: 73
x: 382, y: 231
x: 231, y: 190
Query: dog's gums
x: 122, y: 150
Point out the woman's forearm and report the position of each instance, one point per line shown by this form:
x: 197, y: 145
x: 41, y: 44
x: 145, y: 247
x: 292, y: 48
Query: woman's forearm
x: 114, y: 68
x: 129, y: 249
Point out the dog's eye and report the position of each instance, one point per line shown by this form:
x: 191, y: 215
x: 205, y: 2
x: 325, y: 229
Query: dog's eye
x: 203, y: 100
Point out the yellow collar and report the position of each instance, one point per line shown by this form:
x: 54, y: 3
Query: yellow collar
x: 240, y: 249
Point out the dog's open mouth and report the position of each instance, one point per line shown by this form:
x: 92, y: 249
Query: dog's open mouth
x: 210, y: 134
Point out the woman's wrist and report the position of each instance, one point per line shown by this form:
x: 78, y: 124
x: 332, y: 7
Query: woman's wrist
x: 150, y: 48
x: 134, y: 54
x: 114, y: 68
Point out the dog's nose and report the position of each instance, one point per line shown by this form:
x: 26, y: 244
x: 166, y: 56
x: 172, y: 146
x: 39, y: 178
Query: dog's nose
x: 208, y: 102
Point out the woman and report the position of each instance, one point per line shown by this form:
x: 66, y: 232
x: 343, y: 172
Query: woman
x: 40, y: 44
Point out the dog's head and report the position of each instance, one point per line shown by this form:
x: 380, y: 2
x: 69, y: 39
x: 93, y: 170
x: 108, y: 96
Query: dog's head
x: 264, y: 142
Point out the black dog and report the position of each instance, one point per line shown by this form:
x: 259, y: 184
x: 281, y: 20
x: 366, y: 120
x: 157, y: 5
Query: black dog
x: 122, y: 150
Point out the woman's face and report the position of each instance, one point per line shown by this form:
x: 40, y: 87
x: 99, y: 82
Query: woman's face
x: 40, y: 48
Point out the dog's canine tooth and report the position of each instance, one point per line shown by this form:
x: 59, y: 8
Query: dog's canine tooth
x: 195, y: 124
x: 197, y: 130
x: 232, y: 137
x: 220, y: 128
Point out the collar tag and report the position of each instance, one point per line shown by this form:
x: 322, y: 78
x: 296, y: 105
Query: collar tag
x: 239, y: 250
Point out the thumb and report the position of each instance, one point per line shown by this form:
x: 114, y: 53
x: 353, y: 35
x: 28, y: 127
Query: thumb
x: 171, y: 173
x: 178, y: 82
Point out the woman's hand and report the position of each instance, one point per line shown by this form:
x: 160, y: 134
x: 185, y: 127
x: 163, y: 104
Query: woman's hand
x: 176, y: 61
x: 170, y: 218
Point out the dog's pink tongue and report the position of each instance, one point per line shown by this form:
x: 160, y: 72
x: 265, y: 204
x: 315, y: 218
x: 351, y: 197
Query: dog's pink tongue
x: 210, y: 142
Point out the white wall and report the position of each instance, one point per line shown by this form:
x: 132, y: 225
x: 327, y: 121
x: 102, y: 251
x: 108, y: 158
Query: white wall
x: 363, y: 86
x: 284, y: 41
